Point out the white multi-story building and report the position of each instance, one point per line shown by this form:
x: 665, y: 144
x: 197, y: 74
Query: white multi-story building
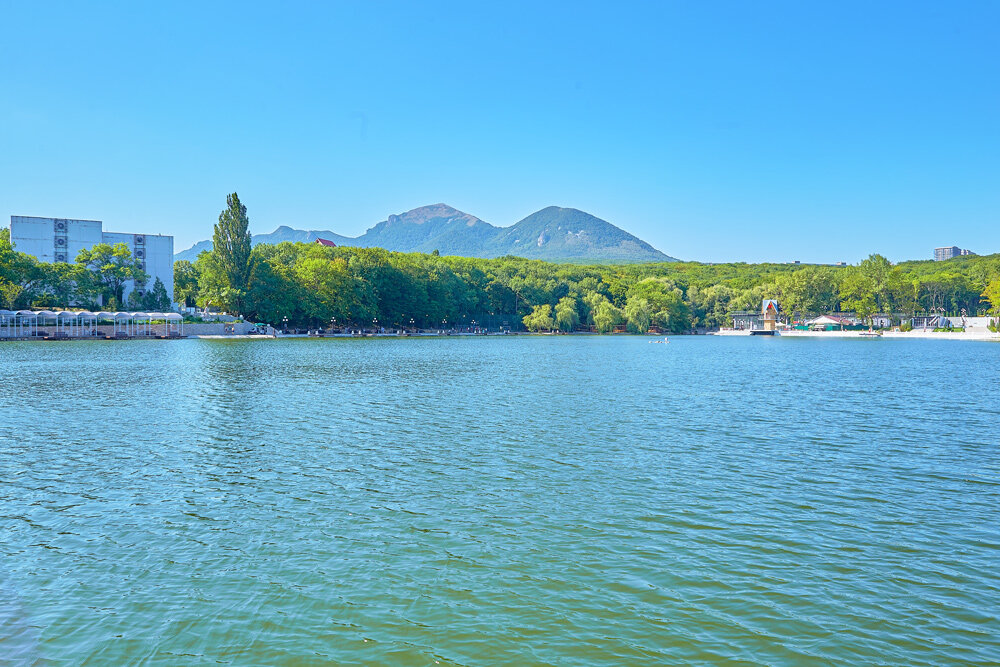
x: 61, y: 239
x: 941, y: 254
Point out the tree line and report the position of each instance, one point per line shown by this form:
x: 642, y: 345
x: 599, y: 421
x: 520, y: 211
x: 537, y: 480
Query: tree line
x: 317, y: 286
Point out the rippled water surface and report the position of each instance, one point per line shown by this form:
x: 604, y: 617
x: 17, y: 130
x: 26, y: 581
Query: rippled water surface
x: 525, y: 500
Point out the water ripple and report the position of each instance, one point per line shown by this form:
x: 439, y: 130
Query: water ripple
x: 568, y: 501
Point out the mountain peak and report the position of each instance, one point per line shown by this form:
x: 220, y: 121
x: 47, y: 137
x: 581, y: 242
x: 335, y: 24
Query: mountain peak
x: 433, y: 212
x: 555, y: 232
x: 552, y: 233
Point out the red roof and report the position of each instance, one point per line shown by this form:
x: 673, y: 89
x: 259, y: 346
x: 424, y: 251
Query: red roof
x: 329, y: 244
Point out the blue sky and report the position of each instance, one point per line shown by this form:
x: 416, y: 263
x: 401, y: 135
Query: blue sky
x: 716, y: 131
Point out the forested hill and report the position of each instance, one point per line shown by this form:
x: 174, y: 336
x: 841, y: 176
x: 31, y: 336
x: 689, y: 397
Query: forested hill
x: 554, y: 234
x: 314, y: 285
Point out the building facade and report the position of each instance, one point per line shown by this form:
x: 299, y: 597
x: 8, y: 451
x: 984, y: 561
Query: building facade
x: 941, y: 254
x: 61, y: 239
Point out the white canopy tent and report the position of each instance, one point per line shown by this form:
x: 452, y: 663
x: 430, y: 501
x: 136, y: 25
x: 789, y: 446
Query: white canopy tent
x: 7, y: 323
x: 173, y: 324
x: 83, y: 323
x: 824, y: 321
x: 25, y: 323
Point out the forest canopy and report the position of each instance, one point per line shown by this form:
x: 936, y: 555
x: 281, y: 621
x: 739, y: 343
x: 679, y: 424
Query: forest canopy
x: 315, y: 285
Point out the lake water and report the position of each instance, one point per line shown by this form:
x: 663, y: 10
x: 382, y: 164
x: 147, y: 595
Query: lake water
x: 519, y: 500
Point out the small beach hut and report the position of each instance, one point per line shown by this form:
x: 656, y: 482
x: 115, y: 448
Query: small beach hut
x: 769, y: 313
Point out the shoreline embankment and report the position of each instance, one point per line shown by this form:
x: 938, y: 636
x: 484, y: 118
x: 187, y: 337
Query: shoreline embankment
x: 970, y: 336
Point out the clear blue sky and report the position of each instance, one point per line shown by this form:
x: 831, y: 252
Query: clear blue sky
x: 714, y: 130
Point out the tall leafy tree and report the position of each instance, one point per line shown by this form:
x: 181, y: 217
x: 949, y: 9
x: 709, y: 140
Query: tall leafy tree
x: 108, y: 269
x: 858, y: 294
x: 231, y: 248
x: 566, y: 314
x: 540, y: 318
x: 185, y: 283
x: 606, y: 316
x: 883, y: 281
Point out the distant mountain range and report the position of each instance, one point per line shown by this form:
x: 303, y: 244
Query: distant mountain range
x: 559, y: 234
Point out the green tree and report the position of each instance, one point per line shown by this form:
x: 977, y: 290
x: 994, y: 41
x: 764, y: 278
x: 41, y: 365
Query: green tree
x: 637, y: 313
x: 135, y: 301
x: 540, y: 318
x: 231, y: 248
x: 332, y: 291
x: 991, y: 295
x: 9, y: 293
x: 604, y: 314
x: 883, y: 282
x: 567, y: 316
x: 858, y: 294
x: 185, y: 283
x: 664, y: 306
x: 21, y: 275
x: 792, y: 292
x: 60, y: 283
x: 157, y: 299
x: 107, y: 269
x: 213, y: 284
x: 274, y: 293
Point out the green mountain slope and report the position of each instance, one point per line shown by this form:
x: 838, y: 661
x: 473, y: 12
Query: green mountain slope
x: 556, y: 233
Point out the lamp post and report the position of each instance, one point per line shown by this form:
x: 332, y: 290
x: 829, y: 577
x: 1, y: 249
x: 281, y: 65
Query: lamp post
x: 411, y: 324
x: 473, y: 326
x: 374, y: 325
x: 333, y: 324
x: 284, y: 324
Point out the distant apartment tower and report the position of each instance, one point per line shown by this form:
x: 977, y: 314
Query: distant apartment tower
x: 941, y: 254
x: 61, y: 239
